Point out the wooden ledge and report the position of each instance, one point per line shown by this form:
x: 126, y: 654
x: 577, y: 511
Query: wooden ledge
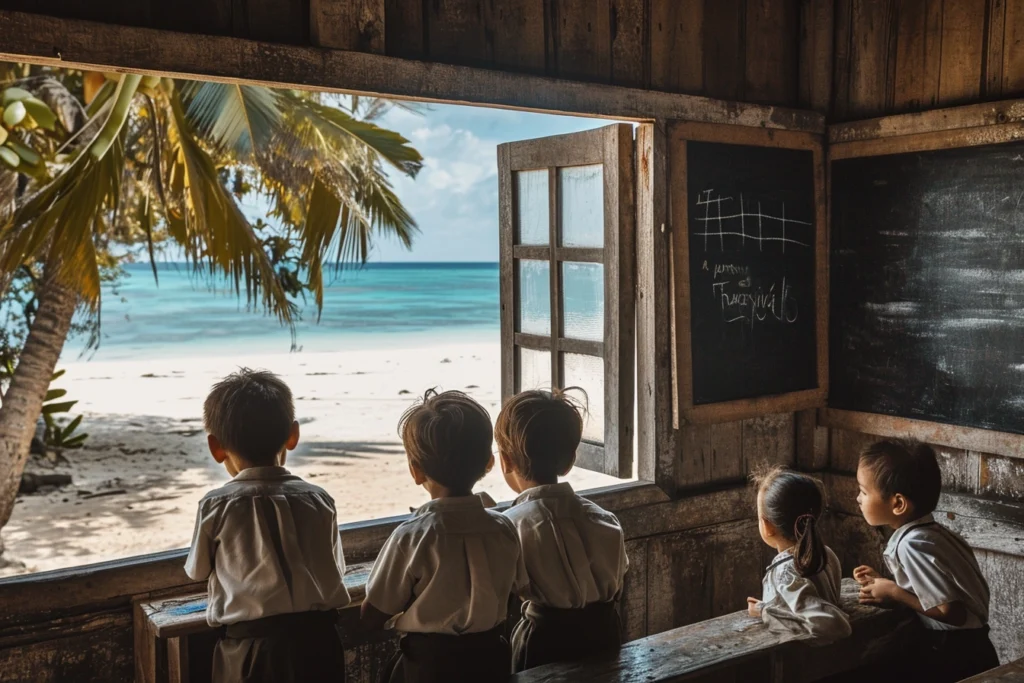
x: 732, y: 647
x: 186, y: 615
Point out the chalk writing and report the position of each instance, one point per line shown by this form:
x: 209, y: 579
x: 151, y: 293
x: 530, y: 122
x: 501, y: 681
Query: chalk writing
x: 739, y: 304
x: 770, y: 228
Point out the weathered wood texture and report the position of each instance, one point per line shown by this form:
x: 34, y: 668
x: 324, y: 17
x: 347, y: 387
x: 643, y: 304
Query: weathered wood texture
x: 730, y: 451
x: 754, y: 50
x: 893, y: 56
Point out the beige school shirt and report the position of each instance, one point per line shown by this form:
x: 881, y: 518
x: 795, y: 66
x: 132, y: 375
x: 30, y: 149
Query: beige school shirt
x: 449, y: 569
x: 791, y: 603
x: 267, y: 543
x: 573, y: 550
x: 936, y: 564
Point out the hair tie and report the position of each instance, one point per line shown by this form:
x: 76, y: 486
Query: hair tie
x: 805, y: 518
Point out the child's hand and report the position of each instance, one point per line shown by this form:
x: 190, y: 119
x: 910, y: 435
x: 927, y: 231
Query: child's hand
x: 865, y: 574
x: 753, y: 607
x: 876, y: 592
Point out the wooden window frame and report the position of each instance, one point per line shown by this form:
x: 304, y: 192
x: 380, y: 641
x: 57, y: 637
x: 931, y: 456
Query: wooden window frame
x: 611, y: 147
x: 72, y: 43
x: 680, y: 133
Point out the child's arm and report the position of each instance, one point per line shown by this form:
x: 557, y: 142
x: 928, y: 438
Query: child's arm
x: 798, y: 608
x: 880, y: 591
x: 389, y: 589
x: 865, y: 574
x: 199, y: 564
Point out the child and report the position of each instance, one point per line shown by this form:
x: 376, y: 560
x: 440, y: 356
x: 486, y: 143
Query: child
x: 803, y: 584
x: 267, y: 542
x: 573, y: 550
x: 447, y: 573
x: 936, y: 573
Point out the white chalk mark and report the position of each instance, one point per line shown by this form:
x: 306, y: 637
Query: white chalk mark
x: 765, y: 221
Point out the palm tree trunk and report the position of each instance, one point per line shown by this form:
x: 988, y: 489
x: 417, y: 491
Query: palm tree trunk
x: 23, y: 401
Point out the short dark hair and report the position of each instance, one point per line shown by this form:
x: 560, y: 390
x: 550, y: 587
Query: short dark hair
x: 448, y: 436
x: 907, y: 467
x: 538, y: 432
x: 251, y: 413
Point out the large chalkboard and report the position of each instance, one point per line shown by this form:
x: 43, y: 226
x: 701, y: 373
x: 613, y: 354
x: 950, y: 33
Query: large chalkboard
x: 752, y: 248
x: 927, y: 286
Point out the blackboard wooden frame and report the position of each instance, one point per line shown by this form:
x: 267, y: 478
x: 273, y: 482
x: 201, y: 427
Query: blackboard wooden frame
x: 680, y: 133
x: 957, y: 127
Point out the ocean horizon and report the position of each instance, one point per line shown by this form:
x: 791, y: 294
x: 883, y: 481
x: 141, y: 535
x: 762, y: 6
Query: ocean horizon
x: 394, y: 304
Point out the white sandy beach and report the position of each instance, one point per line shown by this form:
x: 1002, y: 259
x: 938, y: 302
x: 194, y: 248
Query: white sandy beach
x: 145, y: 464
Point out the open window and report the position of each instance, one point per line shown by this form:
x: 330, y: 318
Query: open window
x: 567, y: 219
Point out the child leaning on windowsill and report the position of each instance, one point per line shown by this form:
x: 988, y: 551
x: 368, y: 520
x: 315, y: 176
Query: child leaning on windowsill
x: 267, y: 542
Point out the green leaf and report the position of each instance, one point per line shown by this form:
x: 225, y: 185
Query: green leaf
x: 42, y: 114
x: 57, y: 375
x: 52, y: 408
x: 237, y: 118
x: 75, y: 442
x: 70, y: 429
x: 54, y: 394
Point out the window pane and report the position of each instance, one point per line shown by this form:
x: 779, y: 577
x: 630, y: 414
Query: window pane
x: 582, y: 209
x: 587, y: 372
x: 583, y: 301
x: 534, y: 369
x: 532, y: 206
x: 534, y: 297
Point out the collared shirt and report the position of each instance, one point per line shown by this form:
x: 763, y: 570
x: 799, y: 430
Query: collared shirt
x: 573, y: 550
x: 796, y: 604
x: 450, y: 569
x: 267, y: 542
x: 936, y: 564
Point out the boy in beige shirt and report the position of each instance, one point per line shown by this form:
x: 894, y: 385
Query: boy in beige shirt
x: 574, y: 551
x: 445, y: 576
x: 267, y: 544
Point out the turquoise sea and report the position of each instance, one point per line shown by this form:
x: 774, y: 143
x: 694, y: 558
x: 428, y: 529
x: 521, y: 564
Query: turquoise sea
x: 390, y: 304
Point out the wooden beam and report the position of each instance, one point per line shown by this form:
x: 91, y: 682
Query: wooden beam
x: 81, y: 44
x: 951, y: 118
x: 954, y: 436
x: 347, y: 24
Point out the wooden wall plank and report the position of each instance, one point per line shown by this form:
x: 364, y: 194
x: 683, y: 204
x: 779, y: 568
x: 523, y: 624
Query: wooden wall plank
x: 274, y: 21
x: 842, y: 52
x: 1005, y: 575
x: 919, y: 33
x: 677, y: 45
x: 772, y: 52
x: 630, y: 38
x: 347, y: 24
x: 817, y: 52
x: 95, y: 648
x: 583, y: 39
x: 460, y: 31
x: 770, y: 439
x: 724, y: 49
x: 194, y: 16
x: 702, y: 574
x: 962, y: 52
x: 1001, y: 478
x: 1013, y: 49
x: 633, y: 604
x: 517, y: 30
x: 404, y: 29
x: 994, y: 33
x: 872, y: 57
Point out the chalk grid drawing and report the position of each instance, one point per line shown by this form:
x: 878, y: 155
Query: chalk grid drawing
x: 763, y: 227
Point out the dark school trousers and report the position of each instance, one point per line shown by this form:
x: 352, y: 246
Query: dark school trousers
x: 546, y: 634
x: 442, y: 658
x: 955, y: 655
x: 285, y: 648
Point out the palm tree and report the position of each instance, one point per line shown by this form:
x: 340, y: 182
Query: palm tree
x: 135, y: 156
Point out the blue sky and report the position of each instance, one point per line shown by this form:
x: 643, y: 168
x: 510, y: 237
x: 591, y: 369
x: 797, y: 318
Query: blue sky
x: 454, y: 199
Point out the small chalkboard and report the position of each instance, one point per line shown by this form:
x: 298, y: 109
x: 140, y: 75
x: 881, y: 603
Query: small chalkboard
x: 753, y: 250
x: 927, y: 268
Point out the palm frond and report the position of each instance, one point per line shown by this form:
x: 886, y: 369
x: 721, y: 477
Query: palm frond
x: 234, y: 118
x: 212, y: 229
x: 334, y: 128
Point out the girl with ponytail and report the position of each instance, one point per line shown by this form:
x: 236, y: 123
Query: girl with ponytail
x: 802, y: 584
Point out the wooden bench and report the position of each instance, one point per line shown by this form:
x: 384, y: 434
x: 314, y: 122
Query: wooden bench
x: 1008, y: 673
x: 163, y: 627
x: 734, y: 647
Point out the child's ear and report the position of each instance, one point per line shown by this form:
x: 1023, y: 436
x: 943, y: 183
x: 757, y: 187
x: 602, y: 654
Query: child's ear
x: 769, y: 528
x: 216, y: 450
x: 900, y: 504
x: 293, y: 436
x: 417, y: 474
